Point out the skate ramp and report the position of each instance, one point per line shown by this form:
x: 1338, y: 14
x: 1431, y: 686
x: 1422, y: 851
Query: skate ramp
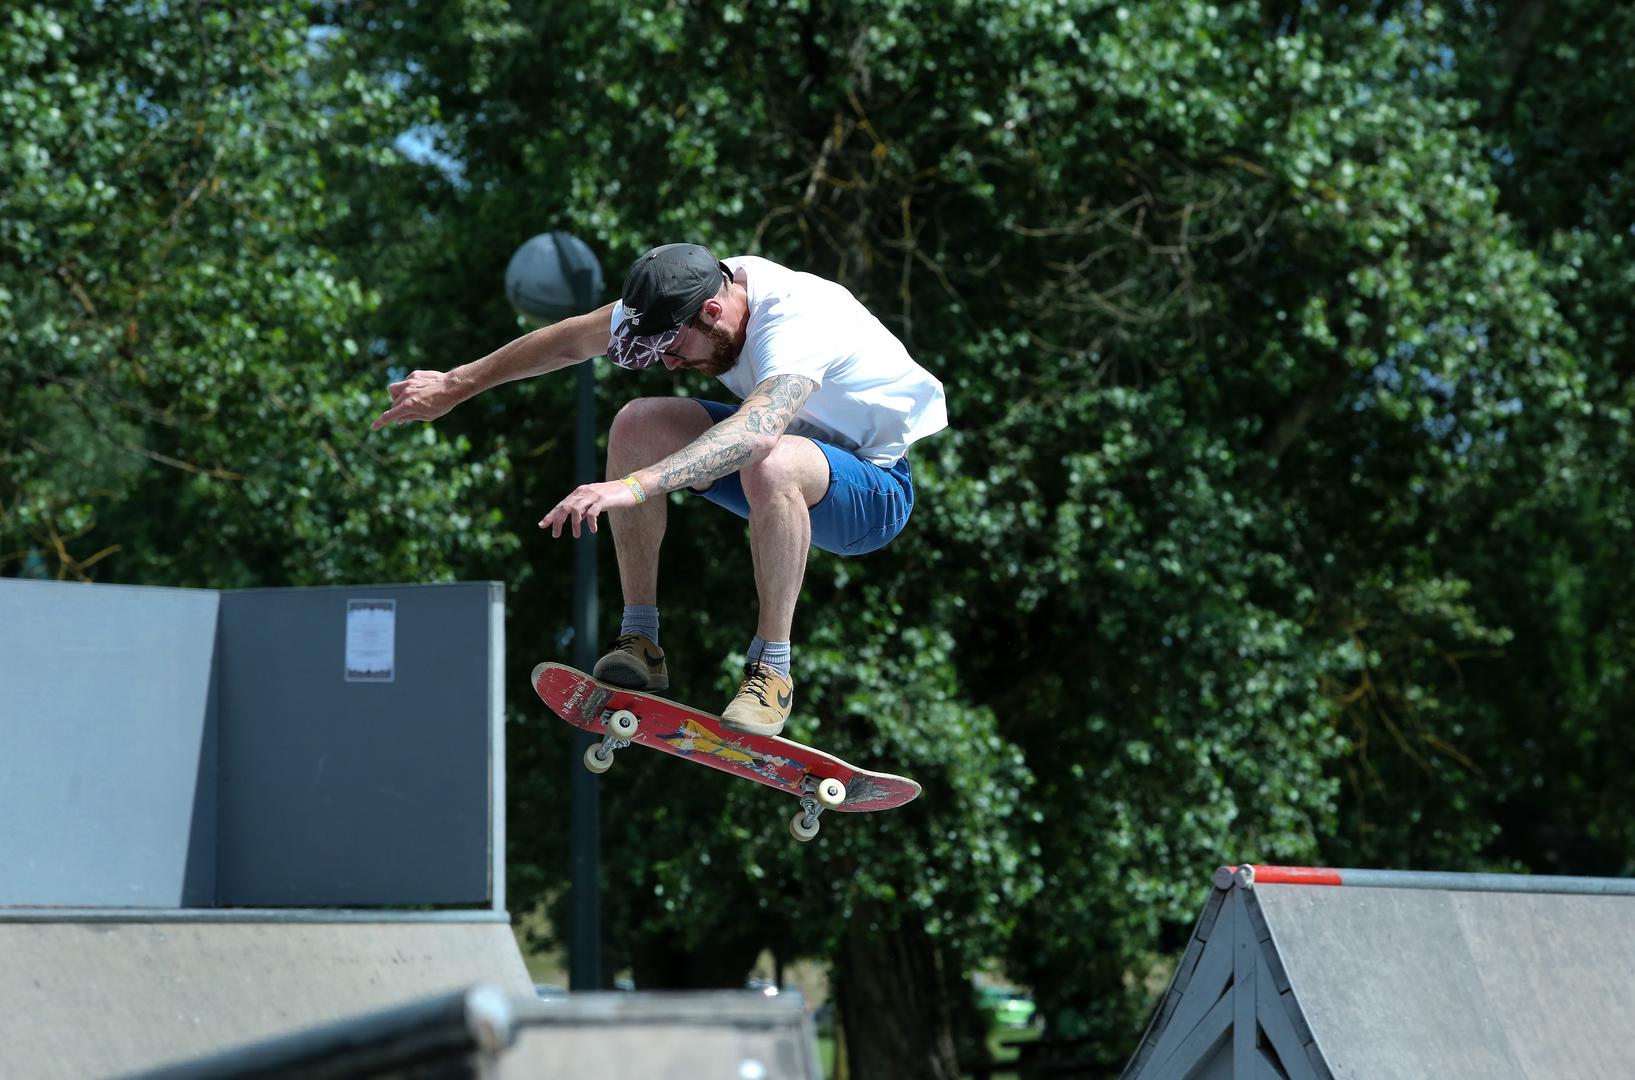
x: 1373, y: 974
x: 101, y: 995
x: 483, y: 1033
x: 678, y: 1036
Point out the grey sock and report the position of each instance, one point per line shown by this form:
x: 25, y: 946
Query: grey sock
x: 769, y: 654
x: 641, y: 619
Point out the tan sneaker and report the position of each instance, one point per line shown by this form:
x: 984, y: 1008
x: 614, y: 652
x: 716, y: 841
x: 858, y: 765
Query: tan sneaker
x: 762, y: 705
x: 635, y: 663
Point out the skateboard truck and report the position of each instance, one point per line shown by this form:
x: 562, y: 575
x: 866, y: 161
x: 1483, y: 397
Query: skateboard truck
x: 621, y: 725
x: 816, y: 796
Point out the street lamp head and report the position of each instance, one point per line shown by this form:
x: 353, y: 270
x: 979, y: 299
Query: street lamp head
x: 552, y: 276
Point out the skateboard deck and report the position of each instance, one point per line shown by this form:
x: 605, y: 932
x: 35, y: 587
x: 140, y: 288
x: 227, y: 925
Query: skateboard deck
x: 623, y: 717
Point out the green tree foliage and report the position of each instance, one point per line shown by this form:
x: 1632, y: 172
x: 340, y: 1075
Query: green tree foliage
x: 183, y: 375
x: 1551, y: 92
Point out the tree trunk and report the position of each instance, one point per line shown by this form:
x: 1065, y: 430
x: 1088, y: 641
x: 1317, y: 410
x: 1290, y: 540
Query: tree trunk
x: 1519, y: 23
x: 1281, y: 429
x: 892, y: 1004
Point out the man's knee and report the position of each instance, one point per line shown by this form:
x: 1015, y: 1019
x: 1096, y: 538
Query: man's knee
x: 794, y: 464
x: 665, y: 421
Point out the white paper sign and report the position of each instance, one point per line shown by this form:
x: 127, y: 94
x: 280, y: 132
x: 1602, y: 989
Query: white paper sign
x: 371, y: 640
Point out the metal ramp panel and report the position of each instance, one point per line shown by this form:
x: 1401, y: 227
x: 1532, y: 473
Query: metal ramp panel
x: 1303, y: 974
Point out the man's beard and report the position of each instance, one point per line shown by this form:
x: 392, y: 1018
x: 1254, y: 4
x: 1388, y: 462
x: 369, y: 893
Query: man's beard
x: 723, y: 358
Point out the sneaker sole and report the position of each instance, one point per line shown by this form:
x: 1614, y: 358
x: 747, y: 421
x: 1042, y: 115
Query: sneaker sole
x: 752, y: 729
x: 627, y: 679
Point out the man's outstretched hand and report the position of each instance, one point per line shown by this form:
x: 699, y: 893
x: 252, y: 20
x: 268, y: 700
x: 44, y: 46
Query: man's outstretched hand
x: 424, y: 395
x: 586, y: 503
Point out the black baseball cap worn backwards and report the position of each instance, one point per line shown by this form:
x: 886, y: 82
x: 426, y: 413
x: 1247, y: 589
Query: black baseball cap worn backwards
x: 663, y: 289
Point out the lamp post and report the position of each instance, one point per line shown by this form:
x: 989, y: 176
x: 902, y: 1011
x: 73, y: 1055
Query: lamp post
x: 552, y: 276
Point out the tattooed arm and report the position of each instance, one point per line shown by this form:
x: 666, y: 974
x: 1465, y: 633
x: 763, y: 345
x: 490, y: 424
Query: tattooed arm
x: 743, y: 438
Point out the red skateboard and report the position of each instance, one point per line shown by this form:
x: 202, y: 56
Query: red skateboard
x: 820, y: 781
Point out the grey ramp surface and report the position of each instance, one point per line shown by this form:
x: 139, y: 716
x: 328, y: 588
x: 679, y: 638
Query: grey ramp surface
x: 664, y: 1036
x: 1408, y: 983
x: 99, y: 998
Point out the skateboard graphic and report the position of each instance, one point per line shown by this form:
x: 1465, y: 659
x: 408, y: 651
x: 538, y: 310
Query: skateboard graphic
x: 820, y: 781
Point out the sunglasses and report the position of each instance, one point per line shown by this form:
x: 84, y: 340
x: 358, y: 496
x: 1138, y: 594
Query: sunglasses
x: 690, y: 324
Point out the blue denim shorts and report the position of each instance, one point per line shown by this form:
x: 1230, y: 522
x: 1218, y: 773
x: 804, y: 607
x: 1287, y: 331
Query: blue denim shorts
x: 865, y: 507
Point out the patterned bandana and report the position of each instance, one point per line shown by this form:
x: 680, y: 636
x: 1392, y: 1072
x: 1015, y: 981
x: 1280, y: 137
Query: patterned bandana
x: 635, y: 352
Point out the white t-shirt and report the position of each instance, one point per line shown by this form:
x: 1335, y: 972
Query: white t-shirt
x: 871, y: 398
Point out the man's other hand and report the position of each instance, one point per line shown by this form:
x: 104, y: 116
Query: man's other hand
x: 584, y: 505
x: 424, y: 395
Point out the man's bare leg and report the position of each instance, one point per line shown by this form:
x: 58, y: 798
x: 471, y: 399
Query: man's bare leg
x: 645, y: 431
x: 781, y: 491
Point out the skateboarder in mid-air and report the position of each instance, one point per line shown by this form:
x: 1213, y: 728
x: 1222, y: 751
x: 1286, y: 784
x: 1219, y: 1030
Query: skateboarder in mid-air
x: 814, y: 454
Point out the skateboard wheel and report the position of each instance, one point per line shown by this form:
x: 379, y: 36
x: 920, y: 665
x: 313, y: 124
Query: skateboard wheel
x: 595, y: 761
x: 800, y: 830
x: 623, y: 724
x: 831, y: 793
